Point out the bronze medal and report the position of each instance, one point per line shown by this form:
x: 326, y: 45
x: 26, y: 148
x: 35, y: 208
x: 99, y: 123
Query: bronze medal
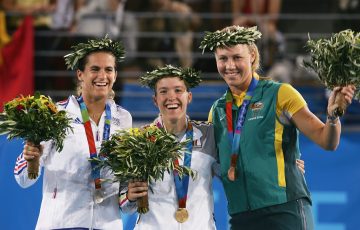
x: 232, y: 169
x: 231, y: 173
x: 181, y: 215
x: 98, y: 196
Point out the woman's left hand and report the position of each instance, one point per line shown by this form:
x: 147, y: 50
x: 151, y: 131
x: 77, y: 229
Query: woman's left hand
x: 348, y: 92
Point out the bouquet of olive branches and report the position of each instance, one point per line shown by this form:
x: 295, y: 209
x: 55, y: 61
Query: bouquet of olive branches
x: 142, y: 154
x: 337, y: 62
x: 34, y: 118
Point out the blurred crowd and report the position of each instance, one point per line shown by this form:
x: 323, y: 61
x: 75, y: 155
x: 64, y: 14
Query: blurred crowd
x: 158, y: 32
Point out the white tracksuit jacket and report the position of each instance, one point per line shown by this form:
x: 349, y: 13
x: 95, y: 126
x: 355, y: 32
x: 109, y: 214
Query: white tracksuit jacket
x: 68, y: 187
x: 200, y: 204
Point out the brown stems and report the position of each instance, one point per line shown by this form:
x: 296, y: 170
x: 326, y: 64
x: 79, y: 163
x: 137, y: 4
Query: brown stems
x: 340, y: 104
x: 34, y: 164
x: 33, y: 168
x: 143, y: 204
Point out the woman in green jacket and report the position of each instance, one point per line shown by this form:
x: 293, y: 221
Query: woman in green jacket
x: 256, y: 125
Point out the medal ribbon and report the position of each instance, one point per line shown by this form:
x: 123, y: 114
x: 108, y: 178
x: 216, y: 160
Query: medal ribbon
x: 234, y: 137
x: 181, y: 185
x: 95, y: 172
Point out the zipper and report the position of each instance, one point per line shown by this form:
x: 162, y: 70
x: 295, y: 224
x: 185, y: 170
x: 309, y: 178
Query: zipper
x: 97, y: 136
x: 55, y: 192
x: 245, y: 185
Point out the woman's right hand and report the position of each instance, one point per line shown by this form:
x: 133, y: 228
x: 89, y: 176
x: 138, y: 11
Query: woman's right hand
x: 301, y: 165
x: 32, y: 151
x: 136, y: 190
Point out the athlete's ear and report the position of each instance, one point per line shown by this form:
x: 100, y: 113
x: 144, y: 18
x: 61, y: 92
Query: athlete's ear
x: 154, y: 100
x: 79, y: 75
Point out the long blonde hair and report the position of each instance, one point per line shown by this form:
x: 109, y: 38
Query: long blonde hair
x: 255, y: 66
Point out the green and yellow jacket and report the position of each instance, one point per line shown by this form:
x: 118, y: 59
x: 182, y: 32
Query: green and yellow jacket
x: 266, y: 168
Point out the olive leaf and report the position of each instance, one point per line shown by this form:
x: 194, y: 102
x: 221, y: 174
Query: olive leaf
x: 229, y: 36
x: 82, y: 49
x: 336, y: 60
x: 189, y: 75
x: 142, y: 154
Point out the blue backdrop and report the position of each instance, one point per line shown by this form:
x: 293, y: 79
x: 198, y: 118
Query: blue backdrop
x: 333, y: 179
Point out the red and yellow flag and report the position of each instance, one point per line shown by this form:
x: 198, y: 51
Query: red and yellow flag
x: 16, y: 60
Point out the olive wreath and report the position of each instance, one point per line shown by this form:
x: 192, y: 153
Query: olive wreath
x: 229, y: 36
x: 82, y: 49
x: 188, y: 75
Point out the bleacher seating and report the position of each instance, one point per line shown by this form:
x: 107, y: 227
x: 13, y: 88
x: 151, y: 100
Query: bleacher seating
x: 138, y: 100
x: 52, y: 79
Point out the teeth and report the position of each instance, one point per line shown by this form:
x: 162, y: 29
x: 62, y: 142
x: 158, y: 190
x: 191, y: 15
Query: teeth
x: 172, y: 106
x: 100, y: 83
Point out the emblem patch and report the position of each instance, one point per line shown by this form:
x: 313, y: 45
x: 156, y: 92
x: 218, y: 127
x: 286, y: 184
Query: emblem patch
x: 256, y: 109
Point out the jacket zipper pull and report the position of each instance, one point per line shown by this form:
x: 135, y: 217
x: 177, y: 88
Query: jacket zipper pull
x: 97, y: 135
x: 54, y: 193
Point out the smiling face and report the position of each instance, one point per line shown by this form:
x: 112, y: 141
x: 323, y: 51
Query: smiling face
x: 172, y: 99
x: 98, y: 76
x: 234, y: 64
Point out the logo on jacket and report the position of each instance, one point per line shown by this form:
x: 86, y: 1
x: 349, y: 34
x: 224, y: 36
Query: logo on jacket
x: 77, y: 121
x: 256, y: 109
x: 115, y: 121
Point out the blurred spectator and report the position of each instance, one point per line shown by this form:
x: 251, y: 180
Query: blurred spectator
x: 41, y: 11
x: 220, y: 7
x: 99, y: 17
x: 264, y: 14
x: 301, y: 75
x: 198, y: 5
x: 282, y: 71
x: 178, y: 21
x: 348, y: 7
x: 63, y: 15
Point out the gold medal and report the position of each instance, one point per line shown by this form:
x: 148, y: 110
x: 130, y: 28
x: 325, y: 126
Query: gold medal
x: 231, y: 173
x: 98, y: 196
x: 181, y: 215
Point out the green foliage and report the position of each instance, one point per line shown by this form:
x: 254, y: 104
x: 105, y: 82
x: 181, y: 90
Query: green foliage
x: 82, y: 49
x: 230, y: 36
x: 34, y: 118
x: 336, y: 60
x: 142, y: 154
x: 189, y: 75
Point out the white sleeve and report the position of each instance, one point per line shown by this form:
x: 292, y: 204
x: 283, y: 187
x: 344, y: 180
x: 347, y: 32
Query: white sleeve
x: 21, y: 173
x: 20, y: 170
x: 126, y: 206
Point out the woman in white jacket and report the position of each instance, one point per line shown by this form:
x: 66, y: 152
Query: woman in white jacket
x: 171, y: 87
x: 73, y: 194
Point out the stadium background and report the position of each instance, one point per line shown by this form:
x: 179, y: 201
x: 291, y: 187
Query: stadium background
x: 333, y: 177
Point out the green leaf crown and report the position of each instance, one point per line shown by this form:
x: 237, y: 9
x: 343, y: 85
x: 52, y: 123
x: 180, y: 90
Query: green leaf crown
x: 82, y: 49
x: 229, y: 36
x: 188, y: 75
